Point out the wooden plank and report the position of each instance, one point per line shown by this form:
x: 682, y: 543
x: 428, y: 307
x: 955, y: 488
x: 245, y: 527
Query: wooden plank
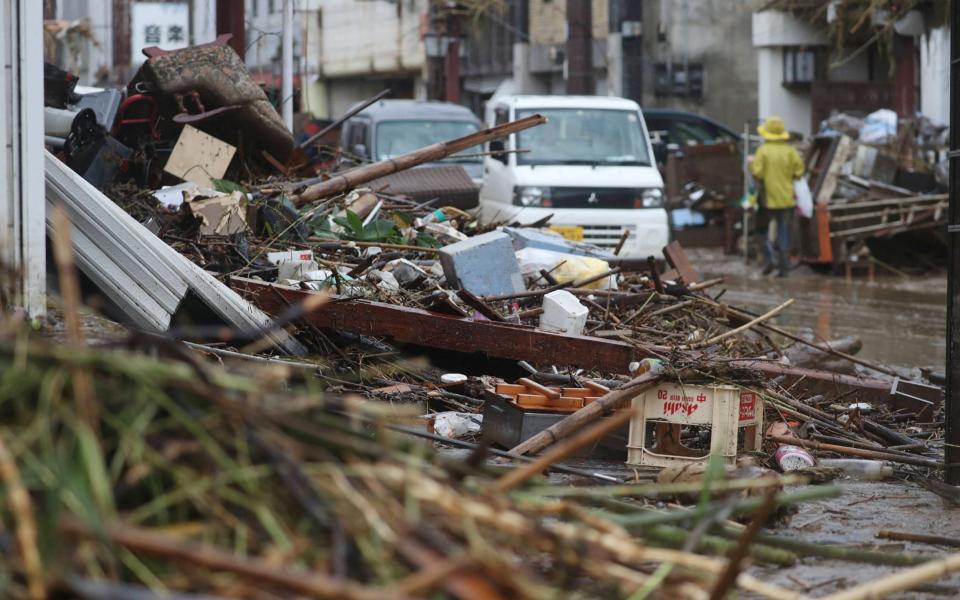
x: 435, y: 330
x: 678, y: 259
x: 840, y: 156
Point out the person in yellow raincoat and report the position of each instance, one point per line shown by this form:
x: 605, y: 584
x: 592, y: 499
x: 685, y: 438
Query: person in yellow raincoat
x: 776, y: 165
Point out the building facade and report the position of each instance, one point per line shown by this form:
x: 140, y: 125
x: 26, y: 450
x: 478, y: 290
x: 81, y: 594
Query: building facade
x: 103, y: 39
x: 355, y: 49
x: 804, y: 74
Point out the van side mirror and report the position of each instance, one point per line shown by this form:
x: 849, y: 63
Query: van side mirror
x: 497, y: 148
x: 360, y: 150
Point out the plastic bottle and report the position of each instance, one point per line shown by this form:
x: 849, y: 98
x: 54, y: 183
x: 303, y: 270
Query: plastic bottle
x: 860, y: 468
x: 436, y: 216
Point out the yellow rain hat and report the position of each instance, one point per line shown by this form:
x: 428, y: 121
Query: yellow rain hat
x: 773, y: 130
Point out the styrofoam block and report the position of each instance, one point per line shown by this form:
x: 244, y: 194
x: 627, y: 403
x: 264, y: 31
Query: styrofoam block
x: 484, y: 264
x: 563, y: 313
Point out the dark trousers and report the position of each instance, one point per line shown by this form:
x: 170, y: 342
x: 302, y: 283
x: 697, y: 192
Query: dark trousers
x: 781, y: 228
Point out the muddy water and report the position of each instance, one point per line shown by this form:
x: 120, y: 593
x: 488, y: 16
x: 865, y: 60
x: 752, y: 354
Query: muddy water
x: 900, y: 320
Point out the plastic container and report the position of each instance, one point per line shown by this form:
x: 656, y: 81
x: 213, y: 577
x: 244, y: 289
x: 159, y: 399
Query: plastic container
x: 724, y: 409
x: 563, y: 313
x: 860, y: 468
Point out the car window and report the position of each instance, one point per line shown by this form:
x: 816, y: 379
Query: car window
x: 685, y: 131
x: 688, y: 133
x: 399, y: 137
x: 584, y: 136
x: 358, y: 134
x: 659, y: 130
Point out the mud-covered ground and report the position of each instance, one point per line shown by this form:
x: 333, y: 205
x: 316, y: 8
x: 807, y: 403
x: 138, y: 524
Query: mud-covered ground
x: 900, y: 320
x: 853, y: 519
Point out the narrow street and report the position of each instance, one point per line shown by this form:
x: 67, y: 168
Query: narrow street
x: 900, y: 320
x: 457, y: 299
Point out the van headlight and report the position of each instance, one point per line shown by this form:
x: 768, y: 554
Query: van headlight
x: 651, y: 198
x: 532, y: 196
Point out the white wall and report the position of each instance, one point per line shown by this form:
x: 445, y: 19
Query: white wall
x: 22, y: 204
x: 368, y: 37
x: 98, y: 52
x: 95, y: 53
x: 772, y: 32
x: 794, y: 107
x: 775, y: 28
x: 264, y: 29
x: 935, y: 75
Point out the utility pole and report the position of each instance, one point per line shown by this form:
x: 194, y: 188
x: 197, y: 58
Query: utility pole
x: 286, y: 93
x: 230, y: 20
x: 905, y: 76
x: 580, y: 47
x: 952, y: 451
x: 122, y: 53
x: 631, y: 31
x: 452, y: 64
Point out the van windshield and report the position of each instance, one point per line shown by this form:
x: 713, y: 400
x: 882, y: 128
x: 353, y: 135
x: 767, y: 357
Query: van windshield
x: 581, y: 136
x: 399, y: 137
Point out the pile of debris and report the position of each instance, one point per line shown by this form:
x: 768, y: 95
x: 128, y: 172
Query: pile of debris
x: 225, y: 456
x: 873, y: 177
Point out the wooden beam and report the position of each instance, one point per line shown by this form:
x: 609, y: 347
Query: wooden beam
x: 435, y: 330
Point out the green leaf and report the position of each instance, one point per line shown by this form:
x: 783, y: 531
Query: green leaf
x: 356, y: 223
x: 427, y: 241
x: 225, y: 186
x: 378, y: 231
x: 94, y: 467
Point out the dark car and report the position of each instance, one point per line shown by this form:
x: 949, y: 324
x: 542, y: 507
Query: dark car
x: 393, y: 127
x: 675, y: 129
x: 702, y: 165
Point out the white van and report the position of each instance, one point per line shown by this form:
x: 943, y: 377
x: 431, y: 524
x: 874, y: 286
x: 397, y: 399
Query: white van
x: 591, y: 166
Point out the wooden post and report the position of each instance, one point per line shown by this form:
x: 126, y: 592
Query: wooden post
x: 452, y: 65
x: 580, y: 47
x: 230, y: 20
x: 905, y: 78
x: 952, y: 454
x: 122, y: 51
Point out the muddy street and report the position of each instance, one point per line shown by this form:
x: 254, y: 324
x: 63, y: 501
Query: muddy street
x: 899, y: 320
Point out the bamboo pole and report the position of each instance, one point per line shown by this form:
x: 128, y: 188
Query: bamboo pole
x: 873, y: 454
x: 24, y: 524
x: 589, y: 413
x: 902, y: 581
x: 905, y: 536
x: 360, y: 175
x: 766, y: 316
x: 148, y: 542
x: 734, y: 565
x: 561, y: 451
